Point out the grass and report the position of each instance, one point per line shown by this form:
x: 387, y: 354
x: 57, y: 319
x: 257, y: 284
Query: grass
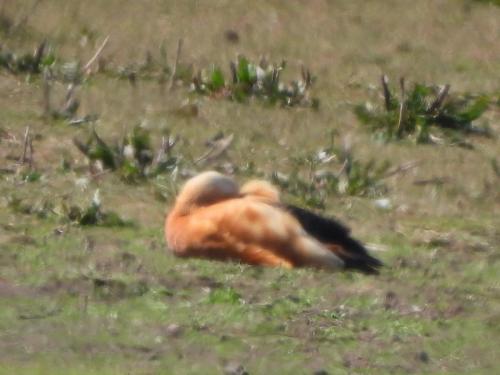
x: 423, y: 109
x: 96, y: 299
x: 260, y: 80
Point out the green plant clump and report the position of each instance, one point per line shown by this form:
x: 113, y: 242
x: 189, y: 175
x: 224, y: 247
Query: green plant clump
x: 93, y: 215
x: 260, y: 80
x: 353, y: 177
x: 422, y: 111
x: 133, y: 158
x: 88, y: 215
x: 31, y: 63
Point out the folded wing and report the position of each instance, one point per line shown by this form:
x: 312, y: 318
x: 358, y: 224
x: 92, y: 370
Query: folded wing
x: 337, y: 238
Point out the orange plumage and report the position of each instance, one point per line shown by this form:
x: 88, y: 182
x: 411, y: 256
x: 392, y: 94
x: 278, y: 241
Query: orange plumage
x: 214, y: 218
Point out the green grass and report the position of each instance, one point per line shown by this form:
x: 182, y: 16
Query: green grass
x: 112, y: 299
x: 225, y: 310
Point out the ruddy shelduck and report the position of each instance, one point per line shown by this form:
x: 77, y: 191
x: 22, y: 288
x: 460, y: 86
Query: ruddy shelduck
x: 216, y: 219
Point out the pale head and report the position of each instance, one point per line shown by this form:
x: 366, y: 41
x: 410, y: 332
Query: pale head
x: 261, y: 190
x: 204, y: 189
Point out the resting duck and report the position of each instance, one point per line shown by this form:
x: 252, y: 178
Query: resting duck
x: 216, y: 219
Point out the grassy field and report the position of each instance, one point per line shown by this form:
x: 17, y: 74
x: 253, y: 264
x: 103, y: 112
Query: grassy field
x: 111, y: 299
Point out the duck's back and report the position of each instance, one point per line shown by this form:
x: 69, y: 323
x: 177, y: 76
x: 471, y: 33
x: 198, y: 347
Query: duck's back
x: 248, y: 230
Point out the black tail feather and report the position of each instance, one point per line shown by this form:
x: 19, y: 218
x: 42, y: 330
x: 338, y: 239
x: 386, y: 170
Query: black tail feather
x: 332, y: 233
